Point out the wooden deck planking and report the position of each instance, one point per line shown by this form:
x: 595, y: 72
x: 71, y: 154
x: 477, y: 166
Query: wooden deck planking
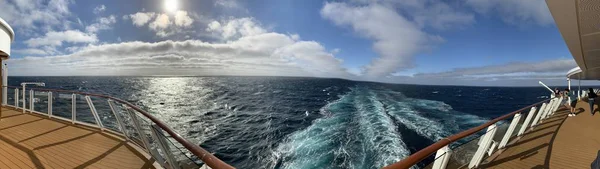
x: 558, y: 142
x: 34, y: 141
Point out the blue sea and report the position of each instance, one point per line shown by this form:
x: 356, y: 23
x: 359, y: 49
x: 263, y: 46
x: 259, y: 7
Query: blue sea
x: 302, y: 123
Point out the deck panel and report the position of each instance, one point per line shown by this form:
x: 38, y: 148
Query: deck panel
x: 558, y: 142
x: 35, y: 141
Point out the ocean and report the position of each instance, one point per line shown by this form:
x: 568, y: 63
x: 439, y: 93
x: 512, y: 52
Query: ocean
x: 302, y: 123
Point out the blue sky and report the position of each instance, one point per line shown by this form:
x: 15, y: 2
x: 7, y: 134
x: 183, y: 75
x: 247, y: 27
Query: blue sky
x: 462, y: 42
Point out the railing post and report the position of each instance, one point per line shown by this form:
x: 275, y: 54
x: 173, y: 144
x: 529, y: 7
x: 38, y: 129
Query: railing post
x: 164, y: 146
x: 50, y: 104
x: 119, y: 120
x: 547, y: 110
x: 138, y: 128
x: 94, y: 112
x: 557, y: 106
x: 31, y: 104
x: 24, y: 101
x: 73, y: 108
x: 17, y: 97
x: 483, y: 147
x: 538, y: 115
x: 442, y: 156
x: 525, y: 124
x: 5, y: 85
x: 510, y: 130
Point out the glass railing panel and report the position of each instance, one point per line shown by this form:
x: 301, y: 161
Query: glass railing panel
x: 10, y: 96
x: 463, y: 153
x: 84, y: 113
x: 61, y: 105
x: 432, y: 161
x: 40, y: 101
x: 182, y: 156
x: 106, y: 116
x: 130, y: 131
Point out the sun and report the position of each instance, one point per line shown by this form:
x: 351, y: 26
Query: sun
x: 171, y: 5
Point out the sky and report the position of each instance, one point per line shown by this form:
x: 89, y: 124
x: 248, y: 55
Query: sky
x: 436, y: 42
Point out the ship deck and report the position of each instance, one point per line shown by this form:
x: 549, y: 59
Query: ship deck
x: 35, y: 141
x: 558, y: 142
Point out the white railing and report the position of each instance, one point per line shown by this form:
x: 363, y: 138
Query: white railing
x: 120, y: 119
x: 470, y: 148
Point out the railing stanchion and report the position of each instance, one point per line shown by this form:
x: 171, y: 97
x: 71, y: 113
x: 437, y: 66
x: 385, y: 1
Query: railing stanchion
x: 483, y: 147
x: 510, y: 130
x: 73, y: 108
x: 50, y: 104
x: 119, y: 120
x: 546, y: 111
x: 525, y: 124
x: 94, y: 112
x: 4, y: 84
x: 31, y: 104
x: 158, y: 137
x: 17, y: 97
x: 557, y: 106
x: 442, y: 156
x: 144, y: 137
x: 24, y: 101
x: 553, y: 103
x: 538, y: 115
x: 138, y: 128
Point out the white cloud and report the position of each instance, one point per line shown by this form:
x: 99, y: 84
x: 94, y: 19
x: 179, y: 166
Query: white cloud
x: 396, y: 39
x: 560, y: 67
x: 266, y: 53
x: 514, y: 11
x: 182, y: 19
x: 161, y: 23
x: 25, y: 14
x: 102, y: 23
x: 236, y: 28
x: 228, y: 4
x: 31, y: 51
x: 57, y: 38
x: 99, y: 9
x: 141, y: 18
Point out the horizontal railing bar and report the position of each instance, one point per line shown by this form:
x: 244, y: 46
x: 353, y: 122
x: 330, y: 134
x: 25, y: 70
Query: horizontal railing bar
x: 207, y: 157
x: 424, y: 153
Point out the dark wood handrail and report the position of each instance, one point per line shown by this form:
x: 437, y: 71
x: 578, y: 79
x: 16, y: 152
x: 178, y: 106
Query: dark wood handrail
x: 427, y: 151
x: 205, y: 156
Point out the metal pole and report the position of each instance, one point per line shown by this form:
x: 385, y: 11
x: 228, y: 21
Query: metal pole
x: 483, y: 147
x: 94, y: 112
x: 17, y: 97
x: 510, y: 130
x: 31, y: 101
x: 442, y: 156
x: 73, y: 108
x: 50, y: 104
x: 579, y: 90
x: 4, y: 84
x: 23, y: 92
x: 158, y: 137
x: 525, y: 124
x: 119, y: 120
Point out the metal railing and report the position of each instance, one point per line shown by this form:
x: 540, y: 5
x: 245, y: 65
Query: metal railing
x: 119, y: 117
x: 469, y: 148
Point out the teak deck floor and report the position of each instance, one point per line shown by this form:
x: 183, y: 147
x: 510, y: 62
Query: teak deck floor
x: 34, y: 141
x: 558, y: 142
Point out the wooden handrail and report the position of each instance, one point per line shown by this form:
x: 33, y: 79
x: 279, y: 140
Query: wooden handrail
x: 427, y: 151
x: 205, y: 156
